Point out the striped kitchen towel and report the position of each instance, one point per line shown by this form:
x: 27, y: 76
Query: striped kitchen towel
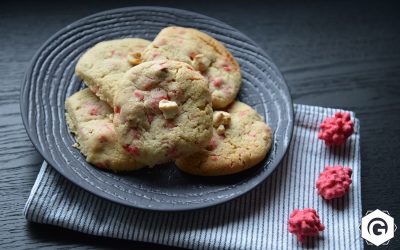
x: 257, y: 220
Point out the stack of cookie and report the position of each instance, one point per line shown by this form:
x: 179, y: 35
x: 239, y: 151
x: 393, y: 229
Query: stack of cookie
x: 172, y: 99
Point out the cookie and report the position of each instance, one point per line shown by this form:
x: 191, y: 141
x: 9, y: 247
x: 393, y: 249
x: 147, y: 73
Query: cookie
x: 85, y: 106
x: 203, y: 53
x: 102, y: 66
x: 163, y: 111
x: 90, y: 119
x: 240, y: 140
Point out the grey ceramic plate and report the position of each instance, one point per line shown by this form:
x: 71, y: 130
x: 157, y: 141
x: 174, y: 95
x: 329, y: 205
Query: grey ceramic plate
x: 50, y: 79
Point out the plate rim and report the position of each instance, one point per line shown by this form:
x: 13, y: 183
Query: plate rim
x: 250, y: 186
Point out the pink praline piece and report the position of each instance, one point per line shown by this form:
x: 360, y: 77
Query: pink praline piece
x: 334, y: 182
x: 305, y: 223
x: 335, y: 130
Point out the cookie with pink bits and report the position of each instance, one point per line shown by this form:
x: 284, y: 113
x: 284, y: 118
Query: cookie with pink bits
x: 85, y: 106
x: 163, y: 111
x: 205, y: 54
x: 334, y: 182
x: 240, y: 140
x: 90, y: 119
x: 102, y: 66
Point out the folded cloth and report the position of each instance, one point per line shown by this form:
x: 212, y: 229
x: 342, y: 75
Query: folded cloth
x: 257, y: 220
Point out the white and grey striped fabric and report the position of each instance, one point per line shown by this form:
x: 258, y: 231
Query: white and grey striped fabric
x: 257, y: 220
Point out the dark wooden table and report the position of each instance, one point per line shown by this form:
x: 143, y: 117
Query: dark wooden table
x: 331, y: 54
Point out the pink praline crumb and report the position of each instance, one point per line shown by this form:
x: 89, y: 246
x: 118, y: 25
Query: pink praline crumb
x: 132, y: 150
x: 181, y: 30
x: 169, y: 124
x: 138, y: 94
x: 217, y: 82
x: 214, y: 158
x: 227, y: 68
x: 212, y: 144
x: 101, y: 165
x: 135, y: 134
x: 102, y: 139
x: 93, y: 111
x: 117, y: 109
x: 162, y: 42
x: 155, y: 54
x: 150, y: 118
x: 253, y: 133
x: 173, y: 153
x: 242, y: 113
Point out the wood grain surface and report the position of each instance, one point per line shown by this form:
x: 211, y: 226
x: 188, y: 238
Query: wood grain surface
x: 344, y: 55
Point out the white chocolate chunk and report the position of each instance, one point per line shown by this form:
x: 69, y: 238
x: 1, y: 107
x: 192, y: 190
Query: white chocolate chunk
x: 221, y: 118
x: 134, y: 58
x: 221, y: 130
x: 168, y: 108
x: 200, y: 62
